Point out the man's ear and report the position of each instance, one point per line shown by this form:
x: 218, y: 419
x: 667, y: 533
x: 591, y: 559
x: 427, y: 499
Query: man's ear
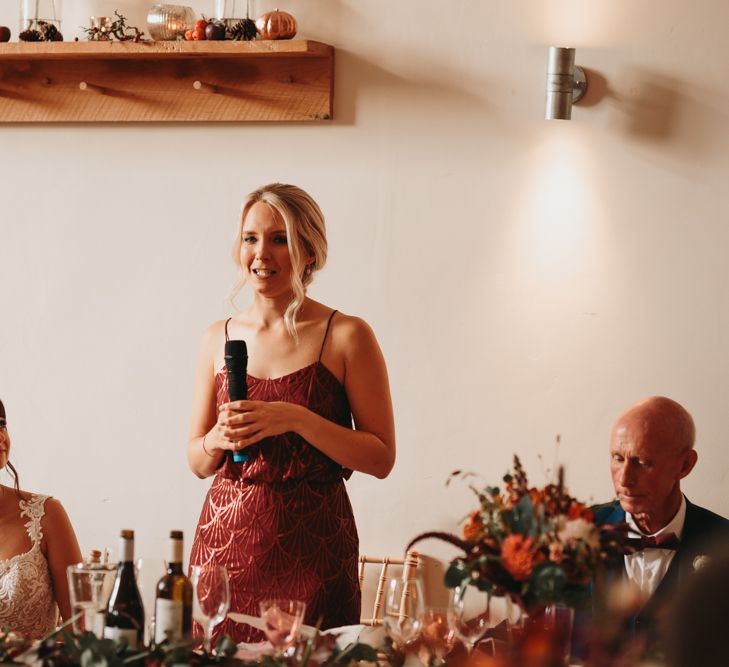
x: 689, y: 461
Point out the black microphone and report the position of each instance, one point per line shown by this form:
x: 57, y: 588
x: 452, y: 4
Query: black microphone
x: 236, y: 365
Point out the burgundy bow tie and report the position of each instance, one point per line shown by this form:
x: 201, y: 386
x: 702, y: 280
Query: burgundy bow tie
x: 667, y: 541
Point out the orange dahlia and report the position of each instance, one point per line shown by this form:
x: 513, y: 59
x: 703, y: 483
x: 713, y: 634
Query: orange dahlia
x: 517, y: 556
x: 474, y: 528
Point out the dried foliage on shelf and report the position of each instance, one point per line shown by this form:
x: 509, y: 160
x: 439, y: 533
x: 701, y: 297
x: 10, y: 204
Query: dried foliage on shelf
x: 117, y: 29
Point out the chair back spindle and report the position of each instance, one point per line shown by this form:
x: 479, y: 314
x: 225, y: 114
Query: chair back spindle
x: 409, y: 566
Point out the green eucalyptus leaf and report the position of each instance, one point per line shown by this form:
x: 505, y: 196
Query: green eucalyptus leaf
x: 355, y: 653
x: 454, y: 575
x: 482, y: 585
x: 92, y: 658
x: 522, y: 519
x: 226, y: 646
x: 548, y: 581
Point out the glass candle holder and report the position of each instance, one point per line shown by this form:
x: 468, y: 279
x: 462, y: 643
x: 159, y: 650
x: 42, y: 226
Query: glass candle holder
x: 228, y: 10
x: 40, y: 20
x: 167, y: 22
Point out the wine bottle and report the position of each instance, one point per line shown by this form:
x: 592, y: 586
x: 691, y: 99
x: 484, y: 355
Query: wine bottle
x: 173, y: 600
x: 125, y: 611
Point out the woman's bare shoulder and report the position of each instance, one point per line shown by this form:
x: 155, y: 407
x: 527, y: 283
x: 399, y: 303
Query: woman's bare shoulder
x: 212, y: 337
x: 350, y: 327
x: 215, y: 330
x: 54, y: 508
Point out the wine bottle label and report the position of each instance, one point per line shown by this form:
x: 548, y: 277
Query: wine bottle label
x: 118, y: 634
x: 167, y: 620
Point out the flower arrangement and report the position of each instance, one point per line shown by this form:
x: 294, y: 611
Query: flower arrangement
x: 539, y: 545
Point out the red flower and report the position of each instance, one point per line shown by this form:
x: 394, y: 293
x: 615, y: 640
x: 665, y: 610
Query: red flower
x: 473, y: 530
x: 517, y: 556
x: 579, y: 511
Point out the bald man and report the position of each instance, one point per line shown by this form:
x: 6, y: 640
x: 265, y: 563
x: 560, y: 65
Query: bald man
x: 651, y: 451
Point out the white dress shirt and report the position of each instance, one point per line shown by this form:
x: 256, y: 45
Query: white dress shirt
x: 647, y: 568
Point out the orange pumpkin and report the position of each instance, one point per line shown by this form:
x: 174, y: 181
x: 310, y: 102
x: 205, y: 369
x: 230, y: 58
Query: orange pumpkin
x: 276, y: 25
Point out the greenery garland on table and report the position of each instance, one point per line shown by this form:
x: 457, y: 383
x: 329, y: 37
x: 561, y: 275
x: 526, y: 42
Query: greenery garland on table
x: 64, y: 649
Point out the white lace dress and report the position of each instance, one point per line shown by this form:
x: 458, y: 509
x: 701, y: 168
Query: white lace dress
x: 27, y: 603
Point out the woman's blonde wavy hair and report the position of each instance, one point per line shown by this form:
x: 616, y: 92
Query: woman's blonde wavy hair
x: 305, y: 234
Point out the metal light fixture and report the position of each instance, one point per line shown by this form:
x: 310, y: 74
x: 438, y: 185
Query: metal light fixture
x: 566, y: 83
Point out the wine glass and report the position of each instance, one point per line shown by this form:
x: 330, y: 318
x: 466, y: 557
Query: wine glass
x: 559, y: 620
x: 403, y: 610
x: 149, y: 571
x: 210, y: 598
x: 282, y: 619
x: 472, y: 612
x: 436, y: 636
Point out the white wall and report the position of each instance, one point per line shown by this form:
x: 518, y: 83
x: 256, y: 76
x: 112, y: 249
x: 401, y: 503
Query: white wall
x: 525, y: 278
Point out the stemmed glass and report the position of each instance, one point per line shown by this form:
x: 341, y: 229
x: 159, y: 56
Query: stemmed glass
x: 403, y: 610
x: 472, y: 612
x: 559, y: 620
x: 282, y: 619
x: 149, y: 571
x: 210, y: 598
x: 437, y: 637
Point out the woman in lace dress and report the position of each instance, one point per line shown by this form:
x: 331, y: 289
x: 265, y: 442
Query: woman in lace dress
x: 319, y: 408
x: 37, y: 543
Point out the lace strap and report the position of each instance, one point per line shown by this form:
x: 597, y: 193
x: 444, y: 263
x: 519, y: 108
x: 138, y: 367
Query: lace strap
x: 34, y: 509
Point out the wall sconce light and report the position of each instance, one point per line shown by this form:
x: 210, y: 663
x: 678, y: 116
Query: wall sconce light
x: 566, y: 83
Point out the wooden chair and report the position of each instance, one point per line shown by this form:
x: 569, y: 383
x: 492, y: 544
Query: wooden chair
x: 409, y: 566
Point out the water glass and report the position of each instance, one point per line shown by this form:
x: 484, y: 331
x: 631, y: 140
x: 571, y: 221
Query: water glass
x: 473, y: 612
x: 558, y: 621
x: 436, y: 636
x: 403, y: 610
x: 210, y: 598
x: 282, y: 619
x: 89, y: 587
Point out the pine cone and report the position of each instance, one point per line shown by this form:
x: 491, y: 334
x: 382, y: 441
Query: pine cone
x: 30, y: 36
x: 244, y: 30
x: 49, y: 32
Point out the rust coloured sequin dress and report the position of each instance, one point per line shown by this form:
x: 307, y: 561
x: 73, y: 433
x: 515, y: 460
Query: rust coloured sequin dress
x: 281, y: 522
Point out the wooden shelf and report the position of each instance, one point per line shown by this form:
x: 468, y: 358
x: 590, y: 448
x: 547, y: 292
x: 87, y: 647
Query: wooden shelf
x: 47, y: 82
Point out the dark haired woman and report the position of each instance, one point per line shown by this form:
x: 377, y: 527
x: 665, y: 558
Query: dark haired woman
x: 37, y: 543
x: 319, y: 408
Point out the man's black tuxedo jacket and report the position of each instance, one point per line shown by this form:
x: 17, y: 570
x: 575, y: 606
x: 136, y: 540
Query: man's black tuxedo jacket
x: 704, y: 533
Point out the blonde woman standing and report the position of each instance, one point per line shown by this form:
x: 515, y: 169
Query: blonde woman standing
x: 318, y: 408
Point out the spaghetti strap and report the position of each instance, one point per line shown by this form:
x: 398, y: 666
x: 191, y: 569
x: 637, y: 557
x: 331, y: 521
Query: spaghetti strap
x: 324, y: 340
x: 226, y: 329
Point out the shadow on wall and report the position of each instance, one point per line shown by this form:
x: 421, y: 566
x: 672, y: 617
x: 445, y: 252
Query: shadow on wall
x: 355, y: 75
x: 667, y: 112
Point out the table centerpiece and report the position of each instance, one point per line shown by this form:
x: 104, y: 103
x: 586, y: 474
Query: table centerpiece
x: 537, y: 545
